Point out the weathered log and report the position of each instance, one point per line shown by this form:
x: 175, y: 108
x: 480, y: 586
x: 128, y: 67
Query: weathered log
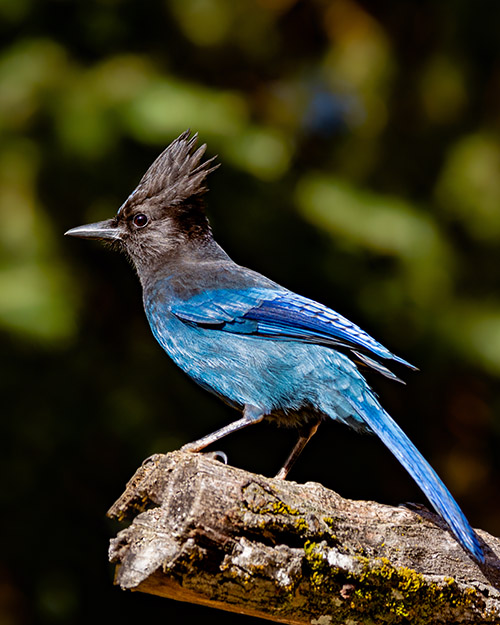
x: 212, y: 534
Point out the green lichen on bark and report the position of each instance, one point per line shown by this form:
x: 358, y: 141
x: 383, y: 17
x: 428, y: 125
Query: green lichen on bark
x: 348, y: 585
x: 277, y: 517
x: 382, y: 593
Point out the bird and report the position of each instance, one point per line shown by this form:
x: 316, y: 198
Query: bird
x: 268, y: 352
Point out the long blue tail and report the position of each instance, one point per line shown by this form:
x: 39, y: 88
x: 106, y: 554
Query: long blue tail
x: 417, y: 466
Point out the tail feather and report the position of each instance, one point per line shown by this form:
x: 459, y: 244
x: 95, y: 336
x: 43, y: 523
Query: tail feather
x: 417, y: 466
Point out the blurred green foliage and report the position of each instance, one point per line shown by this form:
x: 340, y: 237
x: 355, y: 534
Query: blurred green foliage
x: 360, y: 145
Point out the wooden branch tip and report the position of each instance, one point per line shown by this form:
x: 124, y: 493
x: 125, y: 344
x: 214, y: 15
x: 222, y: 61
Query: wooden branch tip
x: 215, y: 535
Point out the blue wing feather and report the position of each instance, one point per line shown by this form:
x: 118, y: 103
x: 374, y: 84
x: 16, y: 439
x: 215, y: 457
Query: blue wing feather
x: 281, y: 314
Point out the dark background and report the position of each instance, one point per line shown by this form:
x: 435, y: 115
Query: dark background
x: 360, y: 150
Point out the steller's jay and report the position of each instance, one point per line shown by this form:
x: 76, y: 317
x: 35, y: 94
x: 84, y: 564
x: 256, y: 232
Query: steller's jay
x: 261, y: 348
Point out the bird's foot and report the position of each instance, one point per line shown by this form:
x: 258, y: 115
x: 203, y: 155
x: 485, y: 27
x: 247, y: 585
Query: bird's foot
x: 217, y: 455
x: 281, y: 475
x: 193, y: 447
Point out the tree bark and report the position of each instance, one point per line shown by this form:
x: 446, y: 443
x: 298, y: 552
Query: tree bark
x: 212, y: 534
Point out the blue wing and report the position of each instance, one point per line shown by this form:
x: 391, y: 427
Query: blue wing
x: 280, y: 314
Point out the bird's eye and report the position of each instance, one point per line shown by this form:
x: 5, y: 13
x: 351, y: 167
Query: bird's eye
x: 140, y: 220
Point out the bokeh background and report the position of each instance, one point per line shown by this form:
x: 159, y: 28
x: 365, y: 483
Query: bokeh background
x: 360, y: 150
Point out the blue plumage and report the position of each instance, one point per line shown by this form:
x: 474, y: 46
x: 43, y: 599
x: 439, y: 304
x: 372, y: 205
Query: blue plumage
x: 280, y: 314
x: 269, y: 352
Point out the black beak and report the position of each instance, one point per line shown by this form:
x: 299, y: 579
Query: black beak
x: 104, y: 230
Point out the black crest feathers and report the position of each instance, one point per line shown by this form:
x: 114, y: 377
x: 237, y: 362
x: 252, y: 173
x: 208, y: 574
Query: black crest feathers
x: 176, y: 175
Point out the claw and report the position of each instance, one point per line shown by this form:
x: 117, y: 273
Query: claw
x: 217, y: 455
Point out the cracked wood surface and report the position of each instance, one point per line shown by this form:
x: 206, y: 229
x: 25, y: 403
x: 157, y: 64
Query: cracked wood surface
x: 216, y: 535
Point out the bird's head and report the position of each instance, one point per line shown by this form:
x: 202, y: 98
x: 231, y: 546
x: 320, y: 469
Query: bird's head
x: 166, y: 209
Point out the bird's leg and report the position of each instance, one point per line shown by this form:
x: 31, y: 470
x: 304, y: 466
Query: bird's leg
x: 304, y: 437
x: 251, y: 415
